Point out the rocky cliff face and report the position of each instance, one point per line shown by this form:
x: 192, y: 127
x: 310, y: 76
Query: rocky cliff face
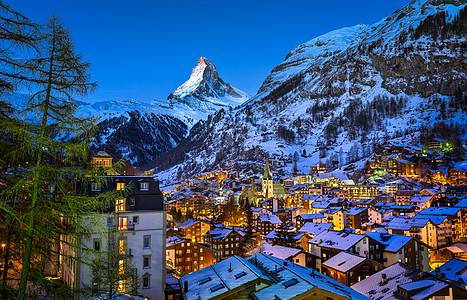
x: 342, y: 92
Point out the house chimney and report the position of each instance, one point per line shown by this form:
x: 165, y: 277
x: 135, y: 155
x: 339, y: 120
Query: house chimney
x: 438, y: 272
x: 443, y: 276
x: 185, y: 286
x: 461, y: 283
x: 384, y: 279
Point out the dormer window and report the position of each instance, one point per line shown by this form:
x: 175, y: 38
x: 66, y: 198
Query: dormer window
x: 144, y: 186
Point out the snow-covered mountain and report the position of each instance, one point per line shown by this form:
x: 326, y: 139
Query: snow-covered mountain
x: 142, y: 131
x: 338, y: 94
x: 204, y: 93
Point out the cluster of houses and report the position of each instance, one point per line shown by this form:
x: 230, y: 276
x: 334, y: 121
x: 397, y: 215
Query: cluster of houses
x: 384, y: 241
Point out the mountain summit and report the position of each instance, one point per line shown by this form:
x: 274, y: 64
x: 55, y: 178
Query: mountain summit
x: 204, y: 93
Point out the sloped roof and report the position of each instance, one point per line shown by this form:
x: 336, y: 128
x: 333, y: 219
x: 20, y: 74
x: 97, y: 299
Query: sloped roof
x: 341, y: 240
x: 344, y: 261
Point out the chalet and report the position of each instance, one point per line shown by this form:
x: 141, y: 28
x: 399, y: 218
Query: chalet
x: 267, y: 223
x: 455, y: 214
x: 403, y: 197
x: 356, y: 216
x: 401, y: 248
x: 422, y: 228
x: 194, y: 230
x: 377, y: 216
x: 188, y: 256
x: 329, y: 243
x: 421, y: 201
x: 401, y: 281
x: 348, y: 268
x: 336, y: 215
x: 225, y: 241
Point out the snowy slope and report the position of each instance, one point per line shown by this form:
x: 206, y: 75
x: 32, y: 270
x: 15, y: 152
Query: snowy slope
x: 340, y: 93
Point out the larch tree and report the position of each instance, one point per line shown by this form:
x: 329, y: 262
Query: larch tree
x: 56, y: 142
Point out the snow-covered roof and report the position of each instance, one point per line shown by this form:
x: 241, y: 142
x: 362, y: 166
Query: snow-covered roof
x: 283, y: 279
x: 462, y: 203
x: 311, y: 216
x: 397, y: 275
x: 344, y: 261
x: 341, y: 240
x: 419, y: 198
x: 435, y: 219
x: 356, y: 210
x: 174, y: 240
x: 406, y: 224
x: 393, y: 242
x: 273, y: 219
x: 440, y: 211
x: 187, y: 224
x: 315, y: 228
x: 454, y: 270
x: 276, y: 251
x: 457, y: 248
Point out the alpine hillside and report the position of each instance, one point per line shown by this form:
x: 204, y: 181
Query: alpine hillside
x: 337, y: 96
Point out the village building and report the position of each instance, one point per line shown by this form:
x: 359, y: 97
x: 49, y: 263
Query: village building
x: 356, y: 216
x: 187, y: 256
x: 225, y: 241
x: 194, y: 230
x: 348, y: 268
x: 401, y: 248
x: 133, y: 226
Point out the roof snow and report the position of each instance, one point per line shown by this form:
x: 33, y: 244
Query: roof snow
x: 398, y: 274
x: 315, y: 228
x: 393, y: 242
x: 273, y: 219
x: 341, y: 240
x: 344, y: 261
x: 286, y: 282
x: 454, y: 269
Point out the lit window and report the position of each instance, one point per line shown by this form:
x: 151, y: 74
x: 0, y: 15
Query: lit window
x: 132, y: 201
x: 123, y: 223
x: 106, y: 163
x: 120, y: 186
x: 121, y: 247
x: 121, y: 286
x: 144, y: 186
x: 121, y: 267
x: 120, y: 205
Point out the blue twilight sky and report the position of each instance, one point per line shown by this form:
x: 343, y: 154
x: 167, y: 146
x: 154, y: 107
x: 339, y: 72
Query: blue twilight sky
x: 145, y: 49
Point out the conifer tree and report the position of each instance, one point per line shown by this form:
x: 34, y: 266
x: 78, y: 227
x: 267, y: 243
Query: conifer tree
x: 55, y: 144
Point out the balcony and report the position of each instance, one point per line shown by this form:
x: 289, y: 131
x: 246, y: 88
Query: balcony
x: 125, y: 227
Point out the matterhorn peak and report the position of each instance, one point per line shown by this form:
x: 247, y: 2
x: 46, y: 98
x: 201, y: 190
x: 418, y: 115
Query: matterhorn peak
x: 204, y: 93
x: 204, y: 70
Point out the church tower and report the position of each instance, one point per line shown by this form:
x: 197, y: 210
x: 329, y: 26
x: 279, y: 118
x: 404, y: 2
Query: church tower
x: 267, y: 182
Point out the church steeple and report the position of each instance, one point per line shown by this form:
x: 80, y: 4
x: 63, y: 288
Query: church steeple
x: 267, y: 173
